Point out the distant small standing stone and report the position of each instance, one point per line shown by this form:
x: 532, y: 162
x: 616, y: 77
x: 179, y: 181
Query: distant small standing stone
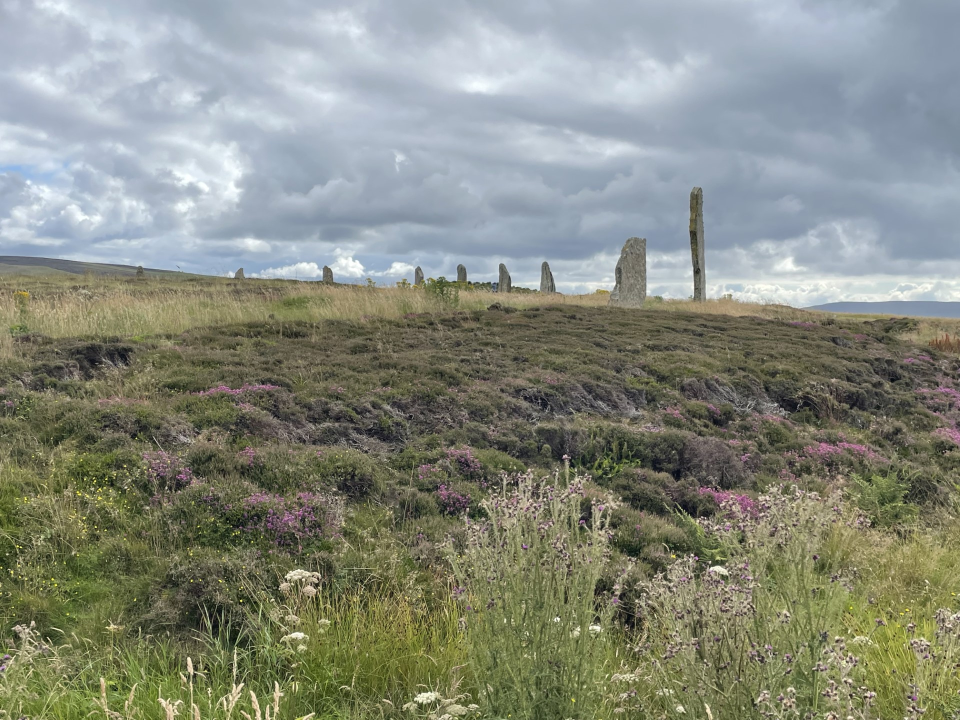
x: 504, y: 285
x: 631, y: 275
x: 546, y: 279
x: 238, y: 275
x: 327, y: 274
x: 696, y: 245
x: 140, y: 273
x: 461, y: 274
x: 418, y: 276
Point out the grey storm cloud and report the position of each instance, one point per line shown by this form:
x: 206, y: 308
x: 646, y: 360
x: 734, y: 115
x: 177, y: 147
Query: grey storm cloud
x: 383, y: 134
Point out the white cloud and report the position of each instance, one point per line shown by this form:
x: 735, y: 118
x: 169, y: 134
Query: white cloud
x: 299, y: 271
x: 397, y: 270
x: 346, y: 266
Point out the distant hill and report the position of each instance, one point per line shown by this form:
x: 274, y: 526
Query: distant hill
x: 18, y: 265
x: 909, y: 308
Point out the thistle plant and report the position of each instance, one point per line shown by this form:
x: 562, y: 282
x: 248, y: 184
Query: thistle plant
x: 536, y: 632
x: 751, y: 638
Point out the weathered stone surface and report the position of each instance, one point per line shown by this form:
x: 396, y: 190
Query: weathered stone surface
x: 238, y: 275
x: 631, y: 275
x: 546, y: 279
x: 696, y: 245
x: 418, y: 276
x: 140, y: 273
x: 327, y: 274
x: 504, y: 284
x: 461, y: 273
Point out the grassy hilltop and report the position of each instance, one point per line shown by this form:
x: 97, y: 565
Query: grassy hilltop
x: 394, y: 502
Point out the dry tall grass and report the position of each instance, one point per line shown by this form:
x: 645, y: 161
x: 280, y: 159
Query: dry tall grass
x: 97, y: 307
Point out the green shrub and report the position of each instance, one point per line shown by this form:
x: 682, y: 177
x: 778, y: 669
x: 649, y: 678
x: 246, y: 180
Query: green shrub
x: 644, y: 490
x: 883, y: 499
x: 356, y: 475
x: 443, y: 292
x: 495, y: 463
x: 204, y: 586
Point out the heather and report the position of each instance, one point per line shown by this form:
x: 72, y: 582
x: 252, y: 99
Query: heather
x: 365, y: 502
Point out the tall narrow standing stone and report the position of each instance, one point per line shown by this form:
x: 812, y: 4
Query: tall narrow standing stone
x: 238, y: 275
x: 696, y: 245
x: 503, y: 285
x: 461, y: 274
x: 140, y: 273
x: 631, y: 287
x: 418, y: 276
x: 327, y: 274
x: 546, y: 279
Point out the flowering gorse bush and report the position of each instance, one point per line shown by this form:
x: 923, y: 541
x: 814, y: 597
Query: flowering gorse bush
x: 536, y: 633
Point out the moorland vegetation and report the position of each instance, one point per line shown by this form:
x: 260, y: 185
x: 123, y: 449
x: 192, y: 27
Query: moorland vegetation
x: 275, y: 499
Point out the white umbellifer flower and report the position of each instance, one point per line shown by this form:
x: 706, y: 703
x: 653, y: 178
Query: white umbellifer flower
x: 457, y: 710
x: 298, y: 575
x: 425, y: 698
x: 292, y: 619
x: 861, y: 640
x: 295, y: 637
x: 309, y: 591
x: 719, y: 570
x: 575, y: 633
x: 595, y: 630
x: 323, y: 624
x: 301, y: 648
x: 681, y: 710
x: 285, y: 588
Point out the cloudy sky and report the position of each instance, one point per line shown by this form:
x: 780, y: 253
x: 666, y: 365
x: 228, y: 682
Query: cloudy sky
x: 373, y: 136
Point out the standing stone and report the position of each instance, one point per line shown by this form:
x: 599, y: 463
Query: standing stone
x: 418, y: 276
x: 327, y: 274
x: 546, y: 279
x: 503, y: 286
x: 631, y: 287
x: 238, y: 275
x: 461, y: 274
x: 140, y: 273
x: 696, y: 245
